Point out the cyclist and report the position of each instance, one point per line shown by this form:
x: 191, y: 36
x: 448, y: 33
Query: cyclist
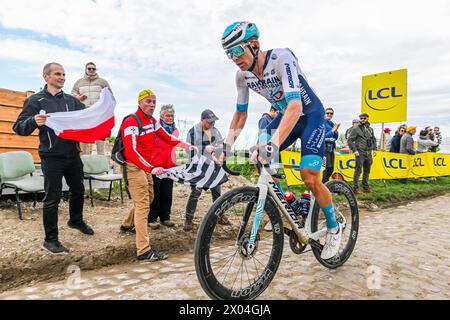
x: 276, y: 75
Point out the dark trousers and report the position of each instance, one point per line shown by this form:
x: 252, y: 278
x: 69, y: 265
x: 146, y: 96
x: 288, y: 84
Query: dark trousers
x: 193, y: 200
x: 363, y: 162
x: 162, y: 202
x: 54, y: 170
x: 329, y: 168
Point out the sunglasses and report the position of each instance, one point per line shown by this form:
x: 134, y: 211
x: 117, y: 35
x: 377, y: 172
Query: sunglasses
x: 237, y: 51
x: 362, y: 118
x: 402, y: 130
x: 91, y: 69
x: 330, y: 113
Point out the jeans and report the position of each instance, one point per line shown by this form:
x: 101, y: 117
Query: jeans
x: 193, y: 200
x: 329, y: 166
x: 363, y: 162
x: 54, y: 170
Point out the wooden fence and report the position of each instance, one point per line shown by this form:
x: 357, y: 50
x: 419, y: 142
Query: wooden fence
x: 11, y: 104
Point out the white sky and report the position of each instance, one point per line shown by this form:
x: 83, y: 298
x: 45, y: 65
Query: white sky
x: 173, y: 48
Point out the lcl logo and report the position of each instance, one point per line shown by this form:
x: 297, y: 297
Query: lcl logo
x: 384, y: 93
x: 380, y: 95
x: 393, y: 164
x: 439, y: 162
x: 349, y: 164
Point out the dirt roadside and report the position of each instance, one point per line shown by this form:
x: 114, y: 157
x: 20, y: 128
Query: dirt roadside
x: 23, y: 261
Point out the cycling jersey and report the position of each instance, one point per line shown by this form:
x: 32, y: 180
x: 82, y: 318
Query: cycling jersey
x: 283, y: 81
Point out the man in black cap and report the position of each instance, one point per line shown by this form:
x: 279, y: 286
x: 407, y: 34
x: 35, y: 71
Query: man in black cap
x: 362, y: 141
x: 205, y: 136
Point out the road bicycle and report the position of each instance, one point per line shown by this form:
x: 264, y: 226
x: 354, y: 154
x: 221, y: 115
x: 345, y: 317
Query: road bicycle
x: 239, y: 261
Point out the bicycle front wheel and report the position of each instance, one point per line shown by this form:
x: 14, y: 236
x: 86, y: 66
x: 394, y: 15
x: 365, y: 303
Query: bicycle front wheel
x: 227, y: 267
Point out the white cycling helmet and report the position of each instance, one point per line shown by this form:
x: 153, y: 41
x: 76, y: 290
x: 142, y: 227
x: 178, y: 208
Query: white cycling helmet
x: 238, y: 32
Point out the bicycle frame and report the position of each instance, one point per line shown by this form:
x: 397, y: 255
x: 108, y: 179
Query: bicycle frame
x: 266, y: 185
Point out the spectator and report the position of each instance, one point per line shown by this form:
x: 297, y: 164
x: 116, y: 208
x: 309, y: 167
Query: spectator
x: 139, y: 169
x: 395, y: 142
x: 205, y: 136
x: 424, y: 143
x: 362, y: 141
x: 331, y: 135
x: 430, y: 132
x: 387, y: 139
x: 407, y: 145
x: 87, y: 90
x: 355, y: 123
x: 165, y: 157
x: 266, y: 119
x: 59, y: 157
x: 438, y: 139
x: 407, y: 141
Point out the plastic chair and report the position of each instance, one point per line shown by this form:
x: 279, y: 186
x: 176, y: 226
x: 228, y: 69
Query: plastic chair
x: 16, y: 172
x: 96, y: 167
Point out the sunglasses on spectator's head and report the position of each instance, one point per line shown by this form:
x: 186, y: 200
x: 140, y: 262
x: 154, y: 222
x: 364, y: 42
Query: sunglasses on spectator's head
x: 91, y: 69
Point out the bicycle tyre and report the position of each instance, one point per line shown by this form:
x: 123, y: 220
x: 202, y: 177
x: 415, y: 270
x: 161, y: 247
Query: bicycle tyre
x: 341, y: 188
x: 205, y: 273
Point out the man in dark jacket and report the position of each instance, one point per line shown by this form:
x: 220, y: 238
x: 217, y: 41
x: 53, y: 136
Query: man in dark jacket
x: 362, y: 141
x: 205, y: 136
x: 266, y: 118
x: 395, y: 142
x: 331, y: 135
x: 59, y: 157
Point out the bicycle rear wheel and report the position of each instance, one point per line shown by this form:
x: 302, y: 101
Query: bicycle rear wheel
x: 229, y: 269
x: 347, y: 213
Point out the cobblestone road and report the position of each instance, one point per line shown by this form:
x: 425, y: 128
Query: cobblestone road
x: 401, y: 253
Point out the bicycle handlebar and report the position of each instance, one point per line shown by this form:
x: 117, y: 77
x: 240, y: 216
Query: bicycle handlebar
x: 259, y: 165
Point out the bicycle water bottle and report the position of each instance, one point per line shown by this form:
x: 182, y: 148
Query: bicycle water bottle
x: 305, y: 201
x: 292, y: 201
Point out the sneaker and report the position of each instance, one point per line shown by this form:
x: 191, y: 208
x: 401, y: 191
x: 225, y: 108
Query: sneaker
x: 356, y: 191
x: 54, y: 247
x: 187, y: 225
x: 368, y: 190
x: 154, y: 225
x: 223, y: 220
x: 168, y: 223
x: 332, y: 243
x: 128, y: 230
x: 83, y: 227
x: 152, y: 255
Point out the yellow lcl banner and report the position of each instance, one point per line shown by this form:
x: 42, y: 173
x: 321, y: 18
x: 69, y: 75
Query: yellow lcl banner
x: 386, y: 165
x: 384, y: 96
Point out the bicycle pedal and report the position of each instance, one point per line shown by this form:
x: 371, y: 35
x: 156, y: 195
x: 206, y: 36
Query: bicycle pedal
x: 315, y: 244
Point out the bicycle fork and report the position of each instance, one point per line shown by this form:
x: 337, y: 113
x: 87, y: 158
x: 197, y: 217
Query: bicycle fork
x: 262, y: 186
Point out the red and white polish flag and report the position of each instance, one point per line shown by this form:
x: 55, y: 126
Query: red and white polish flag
x: 88, y: 125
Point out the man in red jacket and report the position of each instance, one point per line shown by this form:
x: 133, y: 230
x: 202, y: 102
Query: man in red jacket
x: 138, y: 152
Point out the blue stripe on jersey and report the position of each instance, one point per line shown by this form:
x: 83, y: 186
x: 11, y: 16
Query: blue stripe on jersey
x: 241, y: 107
x: 290, y: 96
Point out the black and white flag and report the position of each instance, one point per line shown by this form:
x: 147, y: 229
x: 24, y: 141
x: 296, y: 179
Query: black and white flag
x: 201, y: 172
